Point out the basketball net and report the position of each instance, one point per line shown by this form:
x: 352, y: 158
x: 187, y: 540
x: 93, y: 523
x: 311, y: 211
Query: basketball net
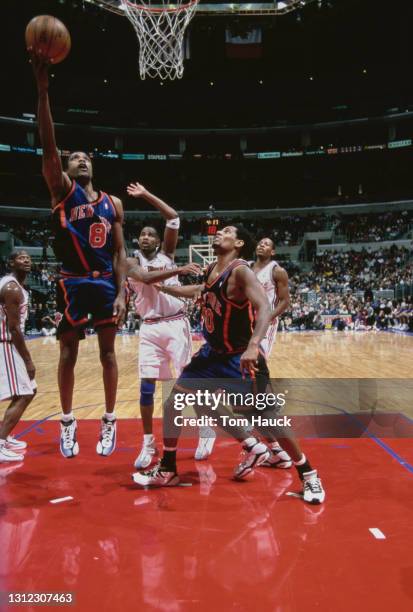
x: 160, y: 29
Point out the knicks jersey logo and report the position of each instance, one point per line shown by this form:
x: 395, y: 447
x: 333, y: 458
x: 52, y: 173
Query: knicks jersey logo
x: 211, y: 305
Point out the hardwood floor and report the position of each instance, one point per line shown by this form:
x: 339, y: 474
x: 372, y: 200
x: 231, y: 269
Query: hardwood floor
x: 295, y: 355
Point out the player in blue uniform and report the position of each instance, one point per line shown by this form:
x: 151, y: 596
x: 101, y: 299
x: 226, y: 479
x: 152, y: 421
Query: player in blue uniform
x: 89, y: 243
x: 236, y: 314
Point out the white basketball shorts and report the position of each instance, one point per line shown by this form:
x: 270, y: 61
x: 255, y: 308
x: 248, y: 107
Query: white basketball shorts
x: 165, y: 348
x: 14, y: 380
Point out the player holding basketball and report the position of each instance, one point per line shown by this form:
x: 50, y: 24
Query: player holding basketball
x: 16, y: 366
x: 89, y: 242
x: 236, y: 315
x: 274, y: 281
x: 165, y: 335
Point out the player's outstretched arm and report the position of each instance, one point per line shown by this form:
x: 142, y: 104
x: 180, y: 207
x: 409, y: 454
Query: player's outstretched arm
x: 280, y: 278
x: 170, y: 237
x: 251, y: 288
x: 119, y: 262
x: 57, y: 181
x: 138, y: 273
x: 185, y: 291
x: 13, y: 298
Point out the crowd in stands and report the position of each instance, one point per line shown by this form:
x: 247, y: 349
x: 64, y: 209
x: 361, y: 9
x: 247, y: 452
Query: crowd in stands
x: 383, y: 269
x: 376, y: 227
x: 343, y: 289
x: 288, y: 230
x: 348, y: 290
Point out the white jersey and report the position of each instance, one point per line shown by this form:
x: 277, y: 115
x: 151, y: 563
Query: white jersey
x: 265, y: 277
x: 5, y: 335
x: 150, y: 303
x: 14, y: 379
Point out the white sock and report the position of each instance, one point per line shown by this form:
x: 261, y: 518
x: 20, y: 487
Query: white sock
x: 110, y: 416
x: 67, y: 417
x: 148, y: 439
x: 301, y: 461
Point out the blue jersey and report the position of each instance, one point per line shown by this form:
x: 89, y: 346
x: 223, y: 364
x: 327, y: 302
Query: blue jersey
x: 227, y: 325
x: 83, y: 232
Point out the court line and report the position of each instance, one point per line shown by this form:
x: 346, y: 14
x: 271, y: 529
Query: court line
x: 50, y: 416
x: 59, y: 500
x: 377, y: 533
x: 378, y: 441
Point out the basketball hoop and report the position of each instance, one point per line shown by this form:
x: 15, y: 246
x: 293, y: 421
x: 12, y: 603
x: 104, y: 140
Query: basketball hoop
x: 160, y: 30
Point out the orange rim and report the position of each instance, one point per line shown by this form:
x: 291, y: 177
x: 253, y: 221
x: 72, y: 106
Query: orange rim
x: 149, y: 9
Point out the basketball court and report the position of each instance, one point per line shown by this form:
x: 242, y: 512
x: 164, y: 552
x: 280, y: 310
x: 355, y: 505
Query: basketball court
x: 82, y: 526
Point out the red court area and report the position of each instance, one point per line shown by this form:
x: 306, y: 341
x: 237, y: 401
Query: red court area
x: 212, y: 544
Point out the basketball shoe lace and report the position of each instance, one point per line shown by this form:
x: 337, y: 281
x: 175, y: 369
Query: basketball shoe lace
x: 314, y: 484
x: 154, y: 471
x: 107, y: 433
x: 157, y: 470
x: 68, y: 434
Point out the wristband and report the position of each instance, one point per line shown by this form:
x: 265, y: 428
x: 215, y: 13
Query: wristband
x: 173, y: 223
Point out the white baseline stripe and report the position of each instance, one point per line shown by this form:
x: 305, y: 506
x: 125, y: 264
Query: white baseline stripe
x: 59, y: 500
x: 379, y: 535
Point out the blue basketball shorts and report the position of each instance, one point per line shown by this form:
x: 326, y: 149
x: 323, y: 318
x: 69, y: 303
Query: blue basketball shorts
x: 84, y: 298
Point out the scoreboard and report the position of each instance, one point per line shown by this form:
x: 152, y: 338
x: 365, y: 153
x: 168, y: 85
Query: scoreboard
x: 211, y: 226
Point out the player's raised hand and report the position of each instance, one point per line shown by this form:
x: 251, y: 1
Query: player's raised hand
x: 249, y: 361
x: 136, y: 190
x: 189, y: 269
x: 40, y: 67
x: 119, y: 310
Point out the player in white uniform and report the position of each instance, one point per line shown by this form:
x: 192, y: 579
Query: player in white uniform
x: 274, y: 280
x: 165, y: 337
x: 16, y: 366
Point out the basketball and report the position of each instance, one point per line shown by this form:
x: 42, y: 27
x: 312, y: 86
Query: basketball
x: 48, y: 36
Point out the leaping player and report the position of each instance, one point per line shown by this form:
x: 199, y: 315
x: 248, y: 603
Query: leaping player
x: 165, y: 335
x: 88, y: 241
x: 16, y: 366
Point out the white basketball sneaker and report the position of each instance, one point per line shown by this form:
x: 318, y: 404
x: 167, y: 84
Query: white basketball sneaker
x: 207, y: 437
x: 252, y: 457
x: 278, y: 458
x: 69, y: 446
x: 156, y: 477
x: 7, y: 455
x: 107, y: 440
x: 14, y: 444
x: 148, y: 453
x: 313, y: 492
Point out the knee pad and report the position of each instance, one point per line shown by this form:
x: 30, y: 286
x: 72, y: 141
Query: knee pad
x: 147, y: 393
